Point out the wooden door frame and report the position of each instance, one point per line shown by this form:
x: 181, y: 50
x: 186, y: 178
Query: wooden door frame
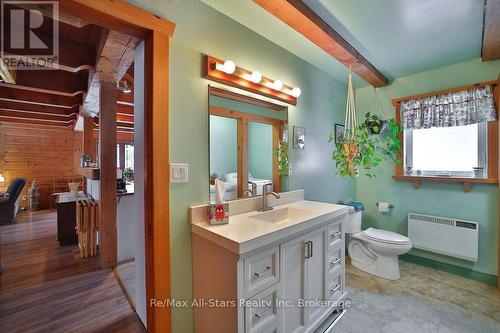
x: 155, y: 32
x: 243, y: 119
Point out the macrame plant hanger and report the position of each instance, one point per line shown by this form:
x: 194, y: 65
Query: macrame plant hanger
x: 349, y: 144
x: 377, y: 109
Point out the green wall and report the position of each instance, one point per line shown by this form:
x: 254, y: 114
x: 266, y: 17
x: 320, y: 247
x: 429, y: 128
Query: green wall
x: 260, y: 150
x: 223, y: 145
x: 441, y: 199
x: 202, y: 30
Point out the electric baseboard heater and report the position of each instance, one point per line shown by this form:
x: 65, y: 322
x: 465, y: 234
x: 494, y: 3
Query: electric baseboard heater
x: 448, y: 236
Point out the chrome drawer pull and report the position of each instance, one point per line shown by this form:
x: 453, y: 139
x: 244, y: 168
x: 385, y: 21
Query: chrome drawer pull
x: 263, y: 272
x: 260, y: 315
x: 335, y: 262
x: 337, y: 287
x: 337, y: 234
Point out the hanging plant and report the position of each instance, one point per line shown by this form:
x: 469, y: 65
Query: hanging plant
x: 360, y: 147
x: 374, y: 124
x: 281, y: 153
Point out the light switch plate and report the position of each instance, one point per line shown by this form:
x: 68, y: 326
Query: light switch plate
x: 179, y: 173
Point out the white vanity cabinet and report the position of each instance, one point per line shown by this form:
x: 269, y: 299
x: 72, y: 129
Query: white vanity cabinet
x: 312, y: 273
x: 286, y: 286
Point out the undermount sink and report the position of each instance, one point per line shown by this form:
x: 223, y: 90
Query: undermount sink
x: 279, y: 215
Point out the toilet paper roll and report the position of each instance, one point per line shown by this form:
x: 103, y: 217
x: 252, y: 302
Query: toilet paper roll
x: 383, y: 207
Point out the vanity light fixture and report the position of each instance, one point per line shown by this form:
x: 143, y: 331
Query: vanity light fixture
x: 255, y: 77
x: 295, y: 92
x: 228, y: 67
x: 227, y: 72
x: 277, y: 85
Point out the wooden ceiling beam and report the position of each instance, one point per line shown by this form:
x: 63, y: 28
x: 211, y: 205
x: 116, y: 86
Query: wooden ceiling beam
x: 35, y: 122
x: 120, y: 124
x: 127, y: 99
x: 34, y: 108
x: 40, y: 116
x: 304, y: 20
x: 491, y: 31
x: 125, y: 118
x: 7, y: 75
x: 124, y: 109
x: 38, y: 98
x: 119, y: 15
x: 50, y: 81
x: 63, y: 17
x: 116, y: 56
x: 73, y: 57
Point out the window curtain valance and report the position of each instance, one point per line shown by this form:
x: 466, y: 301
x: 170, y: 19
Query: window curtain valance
x: 470, y: 106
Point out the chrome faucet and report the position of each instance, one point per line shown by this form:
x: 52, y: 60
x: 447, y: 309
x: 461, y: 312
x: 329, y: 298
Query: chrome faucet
x: 266, y: 190
x: 254, y: 188
x: 248, y: 193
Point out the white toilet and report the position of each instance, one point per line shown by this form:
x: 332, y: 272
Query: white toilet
x: 373, y: 250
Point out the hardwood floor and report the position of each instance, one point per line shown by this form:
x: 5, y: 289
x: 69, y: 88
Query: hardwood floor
x: 126, y: 275
x: 45, y: 288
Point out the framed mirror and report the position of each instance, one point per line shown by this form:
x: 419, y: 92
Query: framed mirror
x: 245, y: 136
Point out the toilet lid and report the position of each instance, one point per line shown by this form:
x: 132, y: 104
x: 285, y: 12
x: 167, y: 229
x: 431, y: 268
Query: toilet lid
x: 385, y: 236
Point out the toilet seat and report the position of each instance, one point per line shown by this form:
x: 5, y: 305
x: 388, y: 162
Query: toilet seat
x: 384, y: 236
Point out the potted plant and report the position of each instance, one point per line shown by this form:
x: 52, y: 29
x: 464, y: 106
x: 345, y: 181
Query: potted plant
x: 367, y: 150
x: 281, y: 153
x: 128, y: 174
x: 374, y: 124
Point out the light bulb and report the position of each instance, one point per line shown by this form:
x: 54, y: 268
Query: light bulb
x: 277, y: 85
x: 229, y: 67
x: 296, y: 92
x: 256, y: 77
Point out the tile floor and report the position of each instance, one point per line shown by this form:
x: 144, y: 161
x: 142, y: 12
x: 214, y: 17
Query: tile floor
x: 424, y: 300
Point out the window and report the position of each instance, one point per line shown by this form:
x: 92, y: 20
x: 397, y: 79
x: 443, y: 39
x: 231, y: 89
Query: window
x: 129, y: 157
x: 125, y: 156
x: 447, y: 151
x: 450, y: 135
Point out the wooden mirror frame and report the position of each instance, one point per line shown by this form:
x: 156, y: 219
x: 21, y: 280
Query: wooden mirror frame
x: 243, y: 120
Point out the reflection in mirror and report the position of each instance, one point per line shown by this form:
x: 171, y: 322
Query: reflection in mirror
x: 245, y: 133
x: 223, y: 155
x: 260, y: 155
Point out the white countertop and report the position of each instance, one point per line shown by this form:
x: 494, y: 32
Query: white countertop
x: 244, y: 233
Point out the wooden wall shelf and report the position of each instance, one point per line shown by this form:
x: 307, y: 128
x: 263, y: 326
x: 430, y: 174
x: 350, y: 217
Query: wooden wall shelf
x: 90, y: 173
x: 466, y: 181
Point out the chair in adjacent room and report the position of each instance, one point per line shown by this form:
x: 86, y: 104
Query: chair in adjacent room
x: 8, y: 202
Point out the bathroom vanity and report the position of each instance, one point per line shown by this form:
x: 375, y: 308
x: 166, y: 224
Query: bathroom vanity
x: 276, y: 271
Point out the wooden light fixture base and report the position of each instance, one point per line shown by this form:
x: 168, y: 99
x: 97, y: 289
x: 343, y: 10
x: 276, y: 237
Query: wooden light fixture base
x: 238, y: 81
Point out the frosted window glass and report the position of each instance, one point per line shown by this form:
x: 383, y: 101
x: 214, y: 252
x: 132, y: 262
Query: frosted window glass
x: 446, y: 148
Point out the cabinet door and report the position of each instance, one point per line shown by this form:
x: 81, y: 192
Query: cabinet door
x: 314, y: 277
x: 292, y: 283
x: 303, y: 279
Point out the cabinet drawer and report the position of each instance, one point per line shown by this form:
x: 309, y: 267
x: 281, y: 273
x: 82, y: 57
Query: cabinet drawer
x: 335, y: 260
x: 261, y: 271
x: 334, y: 235
x: 335, y: 286
x: 261, y: 312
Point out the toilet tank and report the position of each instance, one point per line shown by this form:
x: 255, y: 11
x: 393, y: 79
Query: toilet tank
x: 353, y: 223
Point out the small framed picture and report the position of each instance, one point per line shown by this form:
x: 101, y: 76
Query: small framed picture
x: 299, y: 137
x: 339, y: 133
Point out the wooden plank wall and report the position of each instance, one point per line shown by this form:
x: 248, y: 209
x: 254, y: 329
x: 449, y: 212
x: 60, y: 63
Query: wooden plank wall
x: 50, y: 156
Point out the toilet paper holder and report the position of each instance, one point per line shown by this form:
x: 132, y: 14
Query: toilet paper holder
x: 391, y: 206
